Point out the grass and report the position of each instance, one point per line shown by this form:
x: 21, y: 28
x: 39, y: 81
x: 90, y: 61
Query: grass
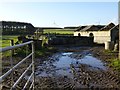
x: 21, y: 51
x: 59, y: 31
x: 115, y: 63
x: 6, y: 39
x: 113, y: 54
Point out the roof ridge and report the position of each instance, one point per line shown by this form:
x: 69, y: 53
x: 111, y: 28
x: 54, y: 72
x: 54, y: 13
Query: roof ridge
x: 110, y: 25
x: 114, y: 27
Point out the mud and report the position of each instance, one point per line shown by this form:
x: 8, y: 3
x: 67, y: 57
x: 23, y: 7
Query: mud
x: 71, y: 68
x: 75, y: 68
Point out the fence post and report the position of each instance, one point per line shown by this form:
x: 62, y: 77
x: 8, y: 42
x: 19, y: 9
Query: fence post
x: 12, y: 44
x: 11, y: 61
x: 33, y: 65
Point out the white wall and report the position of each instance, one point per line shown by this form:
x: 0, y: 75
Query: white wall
x: 99, y: 36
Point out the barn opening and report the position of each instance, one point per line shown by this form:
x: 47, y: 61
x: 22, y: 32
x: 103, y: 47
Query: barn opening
x: 91, y: 35
x: 79, y: 34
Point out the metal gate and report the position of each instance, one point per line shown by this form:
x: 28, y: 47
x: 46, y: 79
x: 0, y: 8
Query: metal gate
x: 31, y: 66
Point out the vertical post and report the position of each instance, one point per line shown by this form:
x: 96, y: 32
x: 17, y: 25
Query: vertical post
x: 33, y: 65
x: 12, y: 44
x: 1, y: 29
x: 119, y: 25
x: 11, y: 61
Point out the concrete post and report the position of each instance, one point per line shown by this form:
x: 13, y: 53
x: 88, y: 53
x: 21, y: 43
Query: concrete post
x: 119, y: 25
x: 109, y: 45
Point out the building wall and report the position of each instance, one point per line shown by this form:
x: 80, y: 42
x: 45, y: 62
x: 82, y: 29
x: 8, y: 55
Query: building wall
x: 114, y: 34
x: 99, y: 36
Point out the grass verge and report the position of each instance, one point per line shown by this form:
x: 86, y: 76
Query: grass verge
x: 115, y: 63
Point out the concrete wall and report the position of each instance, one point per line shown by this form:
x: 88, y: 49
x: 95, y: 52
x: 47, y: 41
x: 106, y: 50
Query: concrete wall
x: 71, y: 40
x: 99, y: 36
x: 37, y: 43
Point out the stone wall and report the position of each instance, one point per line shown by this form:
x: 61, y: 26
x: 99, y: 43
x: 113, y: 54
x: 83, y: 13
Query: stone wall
x: 37, y: 43
x: 71, y: 40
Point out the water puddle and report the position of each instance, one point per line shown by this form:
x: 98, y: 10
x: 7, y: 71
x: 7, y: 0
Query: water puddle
x: 92, y: 61
x: 59, y: 63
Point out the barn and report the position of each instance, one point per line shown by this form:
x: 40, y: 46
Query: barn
x: 101, y: 33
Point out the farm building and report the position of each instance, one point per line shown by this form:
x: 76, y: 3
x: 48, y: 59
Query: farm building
x: 101, y: 33
x: 71, y: 27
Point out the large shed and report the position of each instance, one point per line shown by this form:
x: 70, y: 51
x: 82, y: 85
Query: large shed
x: 101, y: 33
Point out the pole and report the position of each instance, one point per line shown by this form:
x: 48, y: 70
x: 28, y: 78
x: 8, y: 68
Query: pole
x: 12, y: 44
x: 119, y: 25
x: 11, y: 61
x: 33, y: 65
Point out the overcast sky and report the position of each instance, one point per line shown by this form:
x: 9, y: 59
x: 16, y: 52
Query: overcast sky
x: 60, y: 13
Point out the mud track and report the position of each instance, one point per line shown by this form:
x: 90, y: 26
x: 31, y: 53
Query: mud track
x: 81, y: 76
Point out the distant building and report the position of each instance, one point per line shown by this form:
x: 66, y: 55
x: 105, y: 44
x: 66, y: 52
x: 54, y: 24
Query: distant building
x: 50, y: 28
x: 101, y: 33
x: 71, y: 27
x: 16, y: 28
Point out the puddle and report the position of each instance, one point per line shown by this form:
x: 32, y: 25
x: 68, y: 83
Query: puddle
x: 59, y: 64
x: 67, y: 53
x: 92, y: 61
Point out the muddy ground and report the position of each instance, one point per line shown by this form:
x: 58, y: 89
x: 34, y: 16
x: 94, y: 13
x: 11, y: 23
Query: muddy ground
x: 81, y: 76
x: 77, y: 73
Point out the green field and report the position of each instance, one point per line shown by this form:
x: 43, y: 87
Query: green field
x: 6, y: 40
x: 59, y: 31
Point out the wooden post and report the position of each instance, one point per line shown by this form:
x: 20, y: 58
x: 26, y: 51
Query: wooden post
x: 12, y: 44
x: 119, y: 25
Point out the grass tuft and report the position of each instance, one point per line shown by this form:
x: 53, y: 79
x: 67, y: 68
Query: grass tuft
x: 115, y: 63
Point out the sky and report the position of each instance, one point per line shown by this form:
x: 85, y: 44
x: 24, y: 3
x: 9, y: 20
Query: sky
x: 60, y: 14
